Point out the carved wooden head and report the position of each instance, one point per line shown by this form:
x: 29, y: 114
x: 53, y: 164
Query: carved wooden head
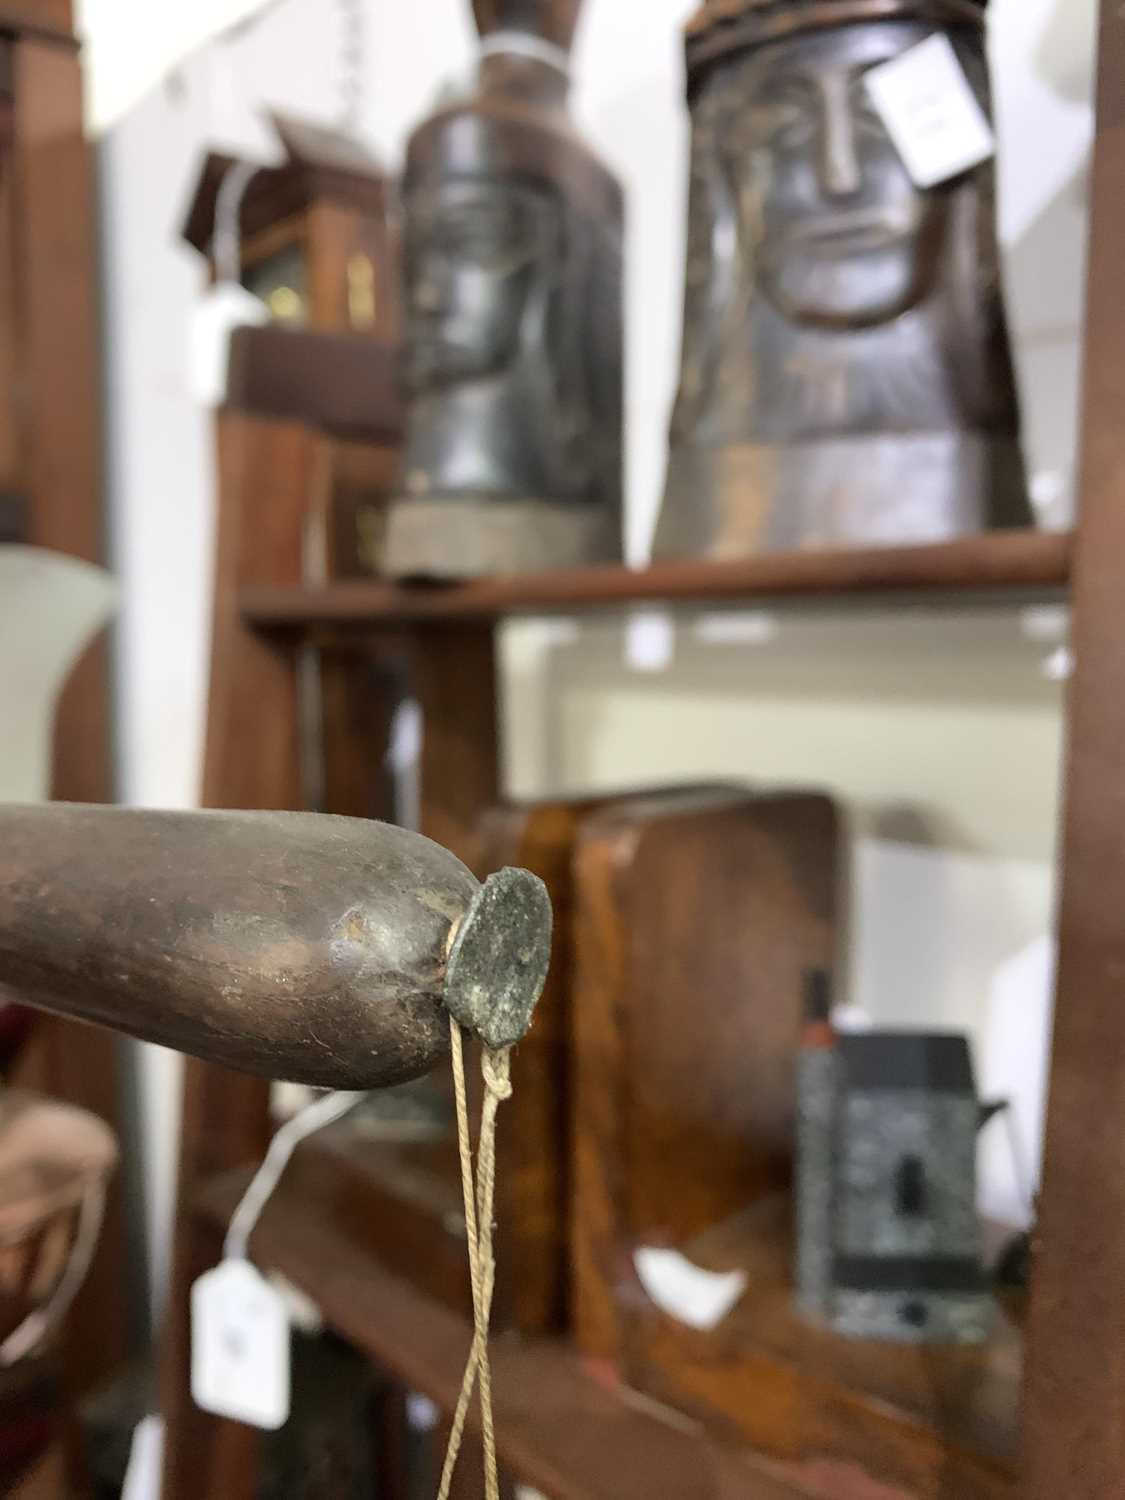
x: 829, y: 299
x: 799, y: 194
x: 512, y: 271
x: 478, y: 251
x: 824, y: 209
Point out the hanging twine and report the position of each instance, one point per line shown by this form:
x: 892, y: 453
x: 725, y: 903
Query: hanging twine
x: 482, y: 1266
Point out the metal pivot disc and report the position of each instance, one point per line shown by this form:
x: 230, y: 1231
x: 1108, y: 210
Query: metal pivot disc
x: 498, y: 963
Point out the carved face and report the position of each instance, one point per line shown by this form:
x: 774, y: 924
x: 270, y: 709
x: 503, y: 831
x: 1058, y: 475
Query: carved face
x: 475, y: 253
x: 826, y: 213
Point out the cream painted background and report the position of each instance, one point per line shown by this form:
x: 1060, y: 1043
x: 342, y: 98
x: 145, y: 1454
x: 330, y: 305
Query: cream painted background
x: 941, y: 734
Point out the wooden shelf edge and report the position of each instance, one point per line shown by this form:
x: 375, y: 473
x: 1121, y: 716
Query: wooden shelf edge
x: 1034, y: 564
x: 559, y: 1428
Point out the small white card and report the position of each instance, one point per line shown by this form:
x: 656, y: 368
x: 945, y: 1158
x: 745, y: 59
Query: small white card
x: 930, y: 111
x: 240, y: 1346
x: 222, y: 308
x: 146, y: 1460
x: 685, y: 1291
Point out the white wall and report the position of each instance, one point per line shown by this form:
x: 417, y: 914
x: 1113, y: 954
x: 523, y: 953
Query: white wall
x: 978, y: 849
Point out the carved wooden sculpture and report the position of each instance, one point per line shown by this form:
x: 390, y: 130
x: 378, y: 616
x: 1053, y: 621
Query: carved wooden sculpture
x: 513, y: 286
x: 326, y: 950
x: 846, y: 371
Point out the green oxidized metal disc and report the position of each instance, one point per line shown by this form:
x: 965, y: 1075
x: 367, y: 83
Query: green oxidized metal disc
x: 498, y: 963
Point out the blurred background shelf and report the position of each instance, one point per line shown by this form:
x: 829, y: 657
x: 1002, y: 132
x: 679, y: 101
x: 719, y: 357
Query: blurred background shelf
x: 562, y: 1425
x: 1006, y: 567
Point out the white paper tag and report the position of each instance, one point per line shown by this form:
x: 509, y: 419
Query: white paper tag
x: 146, y: 1458
x: 222, y: 308
x: 240, y: 1346
x: 650, y: 640
x: 930, y: 111
x: 685, y: 1291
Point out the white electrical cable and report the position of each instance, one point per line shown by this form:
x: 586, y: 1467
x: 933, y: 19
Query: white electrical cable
x: 523, y: 44
x: 226, y: 235
x: 306, y: 1122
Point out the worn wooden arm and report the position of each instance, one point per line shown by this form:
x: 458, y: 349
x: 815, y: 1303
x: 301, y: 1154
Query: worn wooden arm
x: 318, y: 949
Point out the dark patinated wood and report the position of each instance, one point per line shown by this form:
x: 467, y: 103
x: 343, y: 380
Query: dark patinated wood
x: 846, y: 372
x: 1074, y: 1437
x: 286, y: 944
x: 1002, y: 567
x: 513, y: 348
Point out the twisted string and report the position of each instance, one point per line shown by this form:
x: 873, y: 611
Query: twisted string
x: 479, y: 1197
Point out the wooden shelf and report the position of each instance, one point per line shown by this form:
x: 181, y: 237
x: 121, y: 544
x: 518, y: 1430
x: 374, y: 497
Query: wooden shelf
x: 559, y: 1427
x: 1011, y: 566
x: 913, y: 1407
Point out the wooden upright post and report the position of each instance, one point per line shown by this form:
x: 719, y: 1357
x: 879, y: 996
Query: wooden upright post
x: 1074, y: 1407
x: 52, y: 459
x: 252, y: 760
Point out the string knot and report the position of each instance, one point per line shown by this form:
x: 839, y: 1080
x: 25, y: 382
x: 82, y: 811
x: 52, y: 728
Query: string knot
x: 495, y: 1067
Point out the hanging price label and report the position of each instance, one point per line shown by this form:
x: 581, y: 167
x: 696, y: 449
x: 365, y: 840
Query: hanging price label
x: 930, y: 111
x: 222, y: 308
x: 240, y: 1346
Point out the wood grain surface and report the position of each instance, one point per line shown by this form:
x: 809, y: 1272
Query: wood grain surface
x: 1074, y: 1432
x: 698, y: 916
x: 1000, y: 567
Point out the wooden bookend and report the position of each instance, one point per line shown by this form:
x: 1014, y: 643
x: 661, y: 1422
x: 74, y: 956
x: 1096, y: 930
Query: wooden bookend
x: 694, y: 924
x: 696, y: 919
x: 401, y: 1198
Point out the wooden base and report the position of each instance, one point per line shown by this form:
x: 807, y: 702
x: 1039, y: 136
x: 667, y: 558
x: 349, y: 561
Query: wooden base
x: 483, y: 538
x: 856, y: 490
